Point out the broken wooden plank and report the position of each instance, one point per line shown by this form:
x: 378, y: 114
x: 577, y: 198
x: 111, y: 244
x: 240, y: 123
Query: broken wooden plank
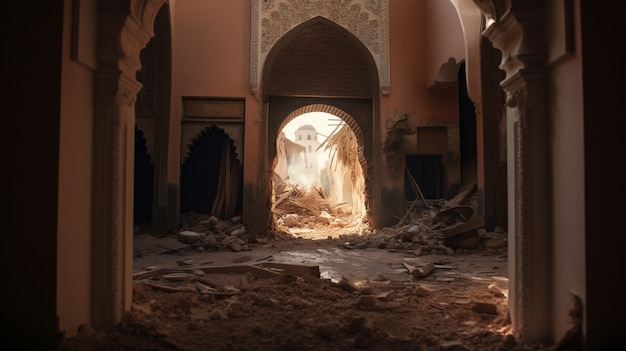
x: 183, y: 288
x: 150, y: 273
x: 295, y: 269
x: 463, y: 228
x: 409, y: 267
x: 171, y: 244
x: 257, y: 271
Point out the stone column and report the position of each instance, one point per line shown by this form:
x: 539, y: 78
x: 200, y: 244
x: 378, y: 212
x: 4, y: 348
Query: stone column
x: 518, y: 33
x: 121, y: 37
x: 113, y: 196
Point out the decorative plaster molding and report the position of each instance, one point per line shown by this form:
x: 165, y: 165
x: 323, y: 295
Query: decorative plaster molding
x: 517, y: 33
x: 123, y: 33
x: 147, y: 127
x: 493, y: 10
x: 368, y: 20
x: 145, y: 11
x: 191, y: 131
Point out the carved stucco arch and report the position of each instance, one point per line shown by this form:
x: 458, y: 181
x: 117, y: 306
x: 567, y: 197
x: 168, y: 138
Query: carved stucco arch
x: 354, y: 126
x: 367, y: 20
x: 200, y: 131
x: 124, y: 29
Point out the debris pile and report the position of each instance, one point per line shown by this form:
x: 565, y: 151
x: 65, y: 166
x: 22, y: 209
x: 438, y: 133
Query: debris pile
x: 274, y: 306
x: 293, y: 199
x: 295, y: 207
x: 206, y: 232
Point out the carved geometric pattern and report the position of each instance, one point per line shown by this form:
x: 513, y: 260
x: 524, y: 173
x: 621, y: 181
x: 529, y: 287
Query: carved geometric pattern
x: 522, y: 246
x: 366, y: 19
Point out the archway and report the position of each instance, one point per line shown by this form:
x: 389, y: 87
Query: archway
x: 152, y: 118
x: 333, y: 186
x: 211, y: 177
x: 320, y: 63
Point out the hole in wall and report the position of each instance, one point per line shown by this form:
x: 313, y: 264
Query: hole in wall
x: 318, y: 181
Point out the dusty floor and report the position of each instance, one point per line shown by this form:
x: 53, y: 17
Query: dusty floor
x: 188, y: 297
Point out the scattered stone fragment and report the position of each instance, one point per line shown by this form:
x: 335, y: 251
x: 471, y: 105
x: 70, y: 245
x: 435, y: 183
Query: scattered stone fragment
x: 236, y: 229
x: 422, y: 291
x: 210, y: 222
x: 484, y: 307
x: 495, y: 290
x: 177, y: 277
x: 291, y: 220
x: 243, y: 284
x: 234, y: 307
x: 184, y: 262
x: 453, y: 346
x: 421, y: 272
x: 367, y: 301
x: 380, y: 277
x: 189, y: 237
x: 347, y: 285
x: 217, y: 315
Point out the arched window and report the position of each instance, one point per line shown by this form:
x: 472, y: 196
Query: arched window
x: 310, y: 148
x: 299, y: 137
x: 308, y: 137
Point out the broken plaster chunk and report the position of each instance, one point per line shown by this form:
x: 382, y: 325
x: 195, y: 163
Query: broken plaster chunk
x: 210, y: 222
x: 494, y: 289
x: 243, y: 284
x: 291, y: 220
x: 367, y: 301
x: 189, y: 237
x: 347, y: 285
x: 325, y: 217
x: 144, y: 308
x: 236, y: 247
x: 422, y: 291
x: 484, y: 307
x: 177, y: 277
x: 421, y: 272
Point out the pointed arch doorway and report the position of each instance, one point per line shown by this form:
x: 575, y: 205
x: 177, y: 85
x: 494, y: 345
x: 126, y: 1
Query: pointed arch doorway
x: 318, y: 63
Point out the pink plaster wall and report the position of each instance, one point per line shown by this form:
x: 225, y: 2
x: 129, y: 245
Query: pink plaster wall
x: 75, y: 174
x: 445, y: 36
x: 568, y: 183
x: 416, y: 58
x: 211, y: 57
